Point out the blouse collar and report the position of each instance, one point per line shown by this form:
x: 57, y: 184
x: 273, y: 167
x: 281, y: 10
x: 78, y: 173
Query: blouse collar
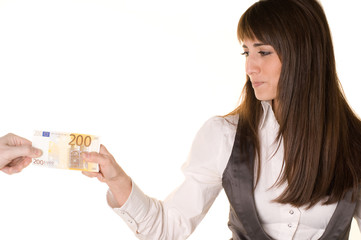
x: 267, y: 109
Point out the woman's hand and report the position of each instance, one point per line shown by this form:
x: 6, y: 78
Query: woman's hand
x: 111, y: 173
x: 16, y: 153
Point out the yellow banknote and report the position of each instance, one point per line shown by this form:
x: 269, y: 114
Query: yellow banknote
x: 63, y: 150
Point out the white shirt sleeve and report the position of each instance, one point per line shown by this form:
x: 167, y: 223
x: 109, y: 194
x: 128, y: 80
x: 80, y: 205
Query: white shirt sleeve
x: 178, y: 215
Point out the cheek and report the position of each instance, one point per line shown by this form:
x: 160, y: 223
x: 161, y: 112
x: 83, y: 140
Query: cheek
x: 275, y: 80
x: 276, y: 73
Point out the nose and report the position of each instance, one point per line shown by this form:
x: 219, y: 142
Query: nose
x: 252, y: 66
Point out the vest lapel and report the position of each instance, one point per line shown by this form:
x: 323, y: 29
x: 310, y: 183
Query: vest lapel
x: 340, y: 223
x: 238, y: 185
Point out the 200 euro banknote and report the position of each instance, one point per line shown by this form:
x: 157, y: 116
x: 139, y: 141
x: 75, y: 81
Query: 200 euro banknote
x: 63, y: 150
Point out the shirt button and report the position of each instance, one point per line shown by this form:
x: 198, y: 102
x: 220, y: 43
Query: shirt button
x: 289, y: 225
x: 291, y: 212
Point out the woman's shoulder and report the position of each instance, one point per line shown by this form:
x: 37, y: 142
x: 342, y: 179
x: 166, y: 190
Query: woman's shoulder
x: 212, y: 147
x: 217, y: 133
x: 223, y: 124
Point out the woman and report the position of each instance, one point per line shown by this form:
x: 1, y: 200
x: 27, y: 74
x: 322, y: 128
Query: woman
x: 287, y: 157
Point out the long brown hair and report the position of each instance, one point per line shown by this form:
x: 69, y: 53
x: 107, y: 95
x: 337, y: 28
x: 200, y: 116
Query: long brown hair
x: 321, y: 133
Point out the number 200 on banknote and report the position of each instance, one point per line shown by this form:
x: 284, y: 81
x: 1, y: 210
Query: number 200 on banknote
x: 63, y: 150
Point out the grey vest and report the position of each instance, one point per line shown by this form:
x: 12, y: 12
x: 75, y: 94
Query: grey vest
x: 244, y: 223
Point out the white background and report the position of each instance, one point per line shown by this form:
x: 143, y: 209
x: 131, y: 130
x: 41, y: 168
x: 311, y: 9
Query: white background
x: 144, y: 76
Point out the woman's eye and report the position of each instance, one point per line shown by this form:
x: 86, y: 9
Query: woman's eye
x: 263, y: 53
x: 245, y: 54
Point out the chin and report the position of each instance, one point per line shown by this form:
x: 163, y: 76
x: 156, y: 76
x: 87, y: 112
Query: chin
x: 264, y: 97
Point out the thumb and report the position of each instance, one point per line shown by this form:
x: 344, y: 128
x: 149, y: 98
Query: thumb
x: 104, y: 150
x: 23, y: 151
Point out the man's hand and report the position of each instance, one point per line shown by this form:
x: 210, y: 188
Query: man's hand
x: 16, y: 153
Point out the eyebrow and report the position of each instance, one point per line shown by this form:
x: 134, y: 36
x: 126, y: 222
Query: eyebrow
x: 255, y: 45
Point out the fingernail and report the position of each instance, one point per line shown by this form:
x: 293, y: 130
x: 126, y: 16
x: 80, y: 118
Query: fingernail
x: 37, y: 151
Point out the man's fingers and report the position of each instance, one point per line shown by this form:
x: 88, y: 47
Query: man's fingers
x: 19, y: 147
x: 32, y: 152
x: 7, y: 170
x: 17, y: 165
x: 23, y: 151
x: 26, y: 162
x: 14, y: 140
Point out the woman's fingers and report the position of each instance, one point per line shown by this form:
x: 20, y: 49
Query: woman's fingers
x: 93, y: 157
x: 109, y: 170
x: 104, y: 150
x: 111, y: 173
x: 106, y: 161
x: 94, y: 175
x: 90, y: 174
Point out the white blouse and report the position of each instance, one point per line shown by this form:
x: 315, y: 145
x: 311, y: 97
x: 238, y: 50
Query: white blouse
x: 178, y: 215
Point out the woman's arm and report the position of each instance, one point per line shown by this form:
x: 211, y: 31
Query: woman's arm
x: 178, y: 215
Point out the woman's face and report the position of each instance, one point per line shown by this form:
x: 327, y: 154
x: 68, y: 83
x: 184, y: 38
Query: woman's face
x: 263, y: 67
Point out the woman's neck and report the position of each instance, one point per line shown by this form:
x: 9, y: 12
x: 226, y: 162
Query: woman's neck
x: 275, y: 109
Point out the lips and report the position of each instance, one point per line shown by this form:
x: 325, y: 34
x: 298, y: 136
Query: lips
x: 257, y: 84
